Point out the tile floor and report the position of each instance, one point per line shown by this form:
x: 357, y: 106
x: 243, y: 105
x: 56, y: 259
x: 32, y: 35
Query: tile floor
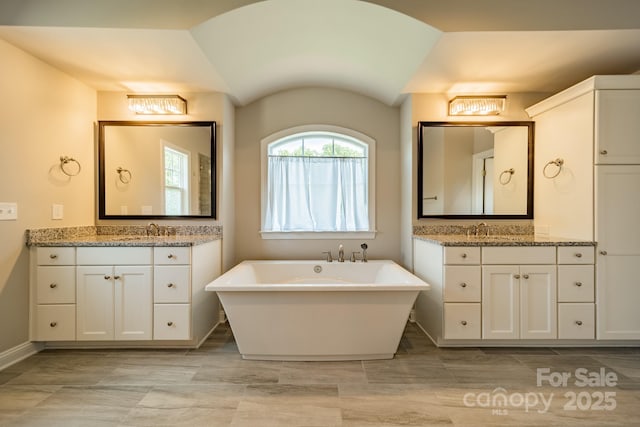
x: 422, y: 386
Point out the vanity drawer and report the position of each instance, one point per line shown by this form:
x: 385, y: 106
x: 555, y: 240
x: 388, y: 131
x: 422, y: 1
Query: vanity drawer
x: 172, y: 255
x: 171, y: 284
x: 519, y: 255
x: 171, y: 322
x: 576, y: 321
x: 462, y: 321
x: 576, y: 254
x: 462, y: 283
x: 576, y: 283
x: 461, y: 255
x: 114, y: 256
x: 55, y: 256
x: 55, y: 322
x: 56, y: 285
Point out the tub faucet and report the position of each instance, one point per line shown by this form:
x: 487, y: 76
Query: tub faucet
x: 364, y: 252
x: 340, y: 253
x: 329, y: 257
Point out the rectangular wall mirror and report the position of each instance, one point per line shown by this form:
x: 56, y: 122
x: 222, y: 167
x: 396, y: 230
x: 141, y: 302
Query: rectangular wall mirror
x: 156, y: 169
x: 473, y: 170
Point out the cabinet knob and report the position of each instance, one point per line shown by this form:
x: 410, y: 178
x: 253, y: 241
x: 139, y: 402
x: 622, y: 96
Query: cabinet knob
x: 53, y: 286
x: 463, y: 285
x: 116, y: 277
x: 53, y: 256
x: 604, y: 152
x: 578, y: 284
x: 578, y: 255
x: 526, y: 276
x: 579, y: 322
x: 170, y: 285
x: 603, y: 252
x: 463, y: 323
x: 169, y: 323
x: 107, y: 277
x: 463, y: 255
x: 53, y: 324
x: 171, y: 256
x: 516, y: 276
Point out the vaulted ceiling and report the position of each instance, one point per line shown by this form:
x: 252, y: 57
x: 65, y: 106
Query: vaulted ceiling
x: 380, y: 48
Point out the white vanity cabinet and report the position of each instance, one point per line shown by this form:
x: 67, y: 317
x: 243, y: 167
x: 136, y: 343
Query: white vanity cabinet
x: 53, y: 314
x: 519, y: 292
x: 594, y: 128
x: 115, y: 293
x: 138, y: 295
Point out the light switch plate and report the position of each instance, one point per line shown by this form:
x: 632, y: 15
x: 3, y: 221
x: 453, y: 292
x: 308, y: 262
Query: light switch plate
x: 8, y: 211
x: 57, y: 211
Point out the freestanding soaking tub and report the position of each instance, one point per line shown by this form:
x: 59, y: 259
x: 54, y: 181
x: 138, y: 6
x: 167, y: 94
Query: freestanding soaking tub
x: 315, y: 310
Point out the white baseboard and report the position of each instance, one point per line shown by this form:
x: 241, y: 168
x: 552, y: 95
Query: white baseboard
x: 18, y: 353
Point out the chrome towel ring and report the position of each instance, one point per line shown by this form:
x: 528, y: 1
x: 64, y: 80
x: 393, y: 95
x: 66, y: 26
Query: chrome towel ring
x: 508, y: 173
x: 64, y: 161
x: 124, y: 175
x: 558, y: 163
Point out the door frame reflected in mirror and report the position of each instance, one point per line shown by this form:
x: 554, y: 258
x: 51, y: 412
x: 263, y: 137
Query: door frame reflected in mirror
x: 422, y: 125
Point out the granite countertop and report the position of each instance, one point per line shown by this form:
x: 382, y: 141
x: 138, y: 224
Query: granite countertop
x: 128, y: 240
x: 121, y: 236
x: 500, y: 240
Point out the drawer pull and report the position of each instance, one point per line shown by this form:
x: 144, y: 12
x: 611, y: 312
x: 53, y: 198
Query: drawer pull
x: 170, y: 285
x: 53, y: 324
x: 603, y: 252
x: 171, y: 256
x: 53, y: 256
x: 169, y: 323
x: 53, y: 286
x: 463, y: 255
x: 526, y: 276
x: 579, y: 322
x: 107, y: 277
x: 604, y: 152
x: 116, y: 277
x: 578, y: 255
x: 463, y: 323
x: 516, y: 276
x: 578, y: 284
x: 463, y: 285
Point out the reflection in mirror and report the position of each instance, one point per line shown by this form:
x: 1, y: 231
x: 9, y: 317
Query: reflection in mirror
x: 475, y: 170
x: 156, y: 169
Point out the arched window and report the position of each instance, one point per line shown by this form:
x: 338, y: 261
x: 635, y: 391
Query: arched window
x: 317, y: 179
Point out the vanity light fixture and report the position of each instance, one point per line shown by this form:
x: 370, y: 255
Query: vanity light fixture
x: 477, y: 105
x: 157, y: 104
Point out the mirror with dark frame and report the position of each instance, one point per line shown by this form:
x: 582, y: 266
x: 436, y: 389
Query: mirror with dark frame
x: 475, y: 170
x: 156, y: 169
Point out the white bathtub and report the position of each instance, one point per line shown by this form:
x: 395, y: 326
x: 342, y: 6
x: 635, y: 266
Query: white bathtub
x: 288, y: 310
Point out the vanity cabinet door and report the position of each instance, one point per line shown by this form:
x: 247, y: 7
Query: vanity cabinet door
x: 133, y: 303
x: 500, y: 302
x: 94, y: 306
x: 538, y: 308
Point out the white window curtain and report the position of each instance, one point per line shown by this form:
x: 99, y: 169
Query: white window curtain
x: 317, y: 194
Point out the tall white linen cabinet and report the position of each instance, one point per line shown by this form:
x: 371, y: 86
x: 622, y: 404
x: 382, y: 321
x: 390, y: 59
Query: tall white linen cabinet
x: 587, y: 186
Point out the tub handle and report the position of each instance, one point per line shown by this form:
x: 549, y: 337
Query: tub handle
x: 329, y: 257
x: 354, y: 256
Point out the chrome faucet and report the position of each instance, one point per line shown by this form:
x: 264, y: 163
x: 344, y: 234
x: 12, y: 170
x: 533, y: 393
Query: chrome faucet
x: 486, y: 227
x: 340, y: 253
x: 329, y: 257
x: 153, y: 229
x: 354, y: 256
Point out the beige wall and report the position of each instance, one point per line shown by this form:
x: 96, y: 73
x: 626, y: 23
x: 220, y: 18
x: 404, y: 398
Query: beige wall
x: 45, y: 114
x: 315, y: 106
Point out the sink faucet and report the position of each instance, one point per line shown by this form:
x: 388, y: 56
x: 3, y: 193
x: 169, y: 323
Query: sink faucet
x: 486, y: 228
x: 153, y: 229
x: 340, y: 253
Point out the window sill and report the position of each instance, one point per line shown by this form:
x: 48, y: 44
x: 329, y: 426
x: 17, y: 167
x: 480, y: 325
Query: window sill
x: 317, y: 235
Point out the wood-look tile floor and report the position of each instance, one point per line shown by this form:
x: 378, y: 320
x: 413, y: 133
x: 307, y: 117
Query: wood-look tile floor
x: 422, y: 386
